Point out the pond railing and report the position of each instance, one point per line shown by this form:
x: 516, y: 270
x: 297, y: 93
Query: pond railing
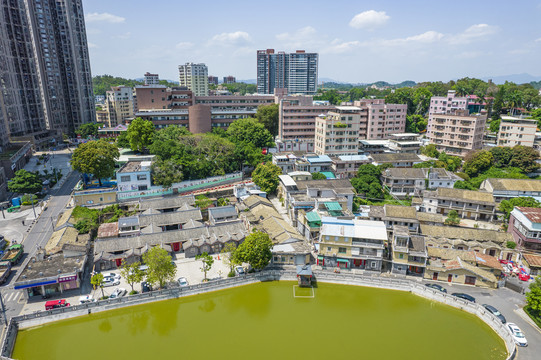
x: 378, y: 281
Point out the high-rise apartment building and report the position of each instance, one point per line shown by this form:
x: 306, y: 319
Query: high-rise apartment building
x: 213, y: 80
x: 151, y: 79
x: 457, y: 133
x: 229, y: 79
x: 46, y: 86
x: 296, y: 72
x: 515, y: 131
x: 195, y: 78
x: 337, y: 132
x: 120, y: 104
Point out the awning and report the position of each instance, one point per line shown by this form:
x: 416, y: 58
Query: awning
x: 312, y: 216
x: 24, y: 286
x: 320, y: 257
x: 333, y: 206
x: 329, y: 175
x: 343, y: 260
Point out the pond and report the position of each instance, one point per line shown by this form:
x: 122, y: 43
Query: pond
x: 266, y: 321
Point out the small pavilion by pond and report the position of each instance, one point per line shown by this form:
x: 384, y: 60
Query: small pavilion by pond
x: 304, y: 275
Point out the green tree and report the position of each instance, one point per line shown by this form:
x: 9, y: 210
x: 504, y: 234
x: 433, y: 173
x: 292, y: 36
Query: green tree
x: 367, y: 183
x: 25, y: 182
x: 131, y: 273
x: 421, y: 100
x: 122, y: 140
x: 498, y: 103
x: 430, y: 150
x: 524, y: 158
x: 502, y: 155
x: 477, y: 162
x: 140, y: 133
x: 266, y: 177
x: 207, y: 261
x: 161, y: 269
x: 166, y: 172
x: 229, y: 258
x: 506, y: 206
x: 86, y: 130
x: 536, y: 114
x: 103, y: 83
x: 255, y: 250
x: 318, y: 176
x: 97, y: 281
x: 533, y: 297
x: 96, y: 158
x: 494, y: 126
x: 452, y: 218
x: 510, y: 244
x: 416, y: 123
x: 202, y: 201
x: 250, y: 130
x: 268, y: 116
x: 166, y: 144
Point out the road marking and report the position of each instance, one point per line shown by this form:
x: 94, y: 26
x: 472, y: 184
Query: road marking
x: 10, y: 295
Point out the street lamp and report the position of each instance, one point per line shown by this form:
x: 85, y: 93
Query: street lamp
x: 32, y: 201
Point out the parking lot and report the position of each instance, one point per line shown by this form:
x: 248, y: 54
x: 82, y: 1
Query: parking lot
x: 186, y: 267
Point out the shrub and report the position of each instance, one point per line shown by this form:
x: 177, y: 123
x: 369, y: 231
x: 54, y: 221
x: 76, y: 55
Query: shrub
x: 133, y: 292
x: 231, y: 274
x: 104, y: 297
x: 511, y: 244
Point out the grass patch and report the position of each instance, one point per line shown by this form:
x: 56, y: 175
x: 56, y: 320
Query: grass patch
x: 537, y: 320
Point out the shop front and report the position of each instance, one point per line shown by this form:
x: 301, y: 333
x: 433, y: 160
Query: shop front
x: 48, y: 287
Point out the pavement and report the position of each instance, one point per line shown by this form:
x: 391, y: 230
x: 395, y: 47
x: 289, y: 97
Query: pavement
x: 38, y: 235
x: 510, y: 304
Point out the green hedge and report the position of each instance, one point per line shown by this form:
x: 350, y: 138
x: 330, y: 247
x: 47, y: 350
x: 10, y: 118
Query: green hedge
x: 537, y: 320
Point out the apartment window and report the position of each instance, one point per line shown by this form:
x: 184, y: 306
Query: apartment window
x: 329, y: 248
x: 141, y: 177
x: 341, y: 250
x: 400, y: 256
x: 125, y: 178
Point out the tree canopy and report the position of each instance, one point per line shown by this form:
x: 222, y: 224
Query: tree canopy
x: 207, y: 262
x: 140, y: 133
x: 367, y: 183
x: 25, y: 182
x: 131, y: 272
x: 533, y: 297
x: 266, y: 177
x: 268, y: 116
x: 97, y: 158
x: 255, y: 250
x: 86, y: 130
x: 250, y: 130
x: 506, y: 206
x: 318, y: 176
x: 161, y: 269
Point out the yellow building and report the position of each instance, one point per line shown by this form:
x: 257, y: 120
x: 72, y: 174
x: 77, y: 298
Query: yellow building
x: 94, y: 197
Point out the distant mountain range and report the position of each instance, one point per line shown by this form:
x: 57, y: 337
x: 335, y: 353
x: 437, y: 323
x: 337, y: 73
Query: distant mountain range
x: 337, y: 84
x: 523, y: 78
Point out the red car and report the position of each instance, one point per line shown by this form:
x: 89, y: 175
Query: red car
x: 524, y: 277
x: 54, y: 304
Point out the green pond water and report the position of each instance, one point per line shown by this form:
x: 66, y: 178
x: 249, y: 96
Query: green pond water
x: 265, y: 321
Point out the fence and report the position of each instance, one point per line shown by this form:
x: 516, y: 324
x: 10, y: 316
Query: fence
x: 43, y: 317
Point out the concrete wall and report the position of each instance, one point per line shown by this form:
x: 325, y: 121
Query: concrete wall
x: 44, y: 317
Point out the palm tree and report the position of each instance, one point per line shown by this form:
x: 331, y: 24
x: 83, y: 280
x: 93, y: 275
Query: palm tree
x: 461, y: 90
x: 514, y: 100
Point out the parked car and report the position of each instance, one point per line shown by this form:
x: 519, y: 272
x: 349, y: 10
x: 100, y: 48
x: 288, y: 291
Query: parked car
x: 143, y: 268
x: 86, y: 299
x: 183, y: 282
x: 110, y: 281
x: 113, y: 275
x: 464, y: 296
x: 118, y: 292
x: 54, y: 304
x: 145, y: 287
x: 517, y: 335
x: 239, y: 270
x: 495, y: 312
x: 436, y: 287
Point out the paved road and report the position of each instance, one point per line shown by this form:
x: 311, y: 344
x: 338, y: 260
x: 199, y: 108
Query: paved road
x: 38, y: 236
x: 508, y: 302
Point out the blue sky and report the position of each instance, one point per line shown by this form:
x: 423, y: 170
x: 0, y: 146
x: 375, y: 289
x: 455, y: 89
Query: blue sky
x: 358, y: 41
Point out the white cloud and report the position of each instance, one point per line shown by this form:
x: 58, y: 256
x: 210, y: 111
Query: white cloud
x: 370, y: 20
x: 184, y: 45
x: 124, y: 36
x: 537, y: 40
x: 339, y: 47
x: 106, y: 17
x: 237, y: 38
x: 473, y: 33
x: 92, y: 45
x: 301, y: 34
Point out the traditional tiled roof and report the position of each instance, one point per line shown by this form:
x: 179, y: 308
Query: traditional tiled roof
x: 454, y: 232
x: 465, y: 195
x: 402, y: 212
x: 514, y: 184
x: 394, y: 157
x: 533, y: 260
x: 405, y: 173
x: 342, y: 186
x: 166, y: 202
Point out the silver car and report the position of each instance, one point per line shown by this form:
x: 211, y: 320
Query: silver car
x: 118, y: 292
x: 110, y: 281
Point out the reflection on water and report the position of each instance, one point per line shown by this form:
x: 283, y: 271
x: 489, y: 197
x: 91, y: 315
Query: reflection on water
x: 347, y: 320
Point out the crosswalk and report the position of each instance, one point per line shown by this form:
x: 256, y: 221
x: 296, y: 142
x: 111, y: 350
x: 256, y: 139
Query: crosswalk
x: 11, y: 296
